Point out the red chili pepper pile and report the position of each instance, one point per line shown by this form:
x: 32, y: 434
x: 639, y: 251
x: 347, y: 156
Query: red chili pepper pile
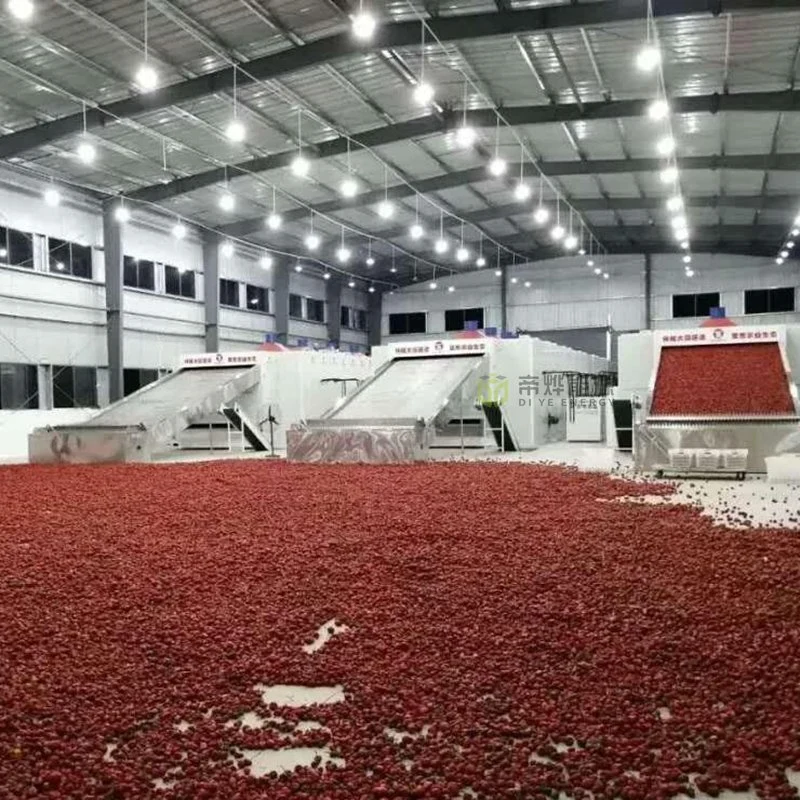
x: 550, y: 641
x: 746, y: 379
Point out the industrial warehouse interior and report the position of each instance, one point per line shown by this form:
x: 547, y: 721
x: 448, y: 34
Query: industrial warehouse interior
x: 399, y: 399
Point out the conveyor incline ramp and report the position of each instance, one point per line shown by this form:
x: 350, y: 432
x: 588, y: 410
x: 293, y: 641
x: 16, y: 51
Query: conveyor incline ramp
x: 415, y: 388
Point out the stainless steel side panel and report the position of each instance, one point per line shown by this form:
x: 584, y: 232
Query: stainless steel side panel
x: 373, y: 445
x: 87, y: 446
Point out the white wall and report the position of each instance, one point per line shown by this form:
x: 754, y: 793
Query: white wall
x: 565, y: 294
x: 16, y: 425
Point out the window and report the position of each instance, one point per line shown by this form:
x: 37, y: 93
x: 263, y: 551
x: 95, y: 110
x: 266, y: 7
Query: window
x: 74, y: 387
x: 344, y: 316
x: 18, y: 386
x: 315, y: 310
x: 764, y: 301
x: 179, y: 283
x: 228, y: 293
x: 694, y: 305
x: 16, y: 248
x: 135, y: 379
x: 257, y: 299
x: 138, y: 273
x: 359, y: 319
x: 295, y: 306
x: 414, y: 322
x: 69, y: 258
x: 456, y: 319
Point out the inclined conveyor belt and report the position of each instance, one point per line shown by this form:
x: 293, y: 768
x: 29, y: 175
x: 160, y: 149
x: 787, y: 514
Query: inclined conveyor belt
x: 413, y: 388
x: 164, y: 398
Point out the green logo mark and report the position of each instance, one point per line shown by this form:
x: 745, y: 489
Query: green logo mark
x: 493, y: 389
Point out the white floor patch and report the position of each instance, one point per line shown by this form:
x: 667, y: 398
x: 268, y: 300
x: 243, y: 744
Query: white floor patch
x: 108, y: 756
x: 263, y: 762
x: 291, y: 696
x: 399, y: 736
x: 325, y: 633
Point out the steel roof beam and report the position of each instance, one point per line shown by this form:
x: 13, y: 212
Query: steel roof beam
x: 485, y: 118
x: 779, y: 162
x: 389, y: 35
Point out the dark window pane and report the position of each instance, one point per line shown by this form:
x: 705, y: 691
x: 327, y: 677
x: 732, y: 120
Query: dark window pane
x: 187, y: 283
x: 85, y: 381
x: 756, y: 301
x: 147, y: 275
x: 130, y: 381
x: 59, y: 255
x: 454, y: 319
x: 683, y: 305
x: 361, y: 319
x: 20, y: 248
x: 81, y: 261
x: 228, y: 293
x: 398, y: 323
x: 417, y: 322
x: 63, y: 388
x: 18, y: 386
x: 172, y: 280
x: 147, y: 376
x: 130, y: 272
x: 344, y: 317
x: 705, y: 302
x: 316, y: 310
x: 781, y: 299
x: 256, y: 298
x: 474, y: 315
x: 295, y: 306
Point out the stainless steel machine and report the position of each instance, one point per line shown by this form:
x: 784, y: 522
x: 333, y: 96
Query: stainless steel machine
x: 719, y: 399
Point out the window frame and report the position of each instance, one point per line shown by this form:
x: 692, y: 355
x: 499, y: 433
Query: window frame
x: 69, y: 262
x: 6, y: 244
x: 463, y: 316
x: 140, y: 265
x: 261, y: 294
x: 696, y: 312
x: 230, y: 283
x: 185, y: 276
x: 407, y: 316
x: 87, y: 377
x: 769, y: 296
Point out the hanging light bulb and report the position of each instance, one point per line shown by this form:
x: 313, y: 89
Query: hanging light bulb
x: 784, y: 254
x: 480, y: 261
x: 648, y: 58
x: 498, y: 273
x: 513, y: 280
x: 274, y: 221
x: 236, y: 131
x: 423, y: 93
x: 227, y: 248
x: 327, y: 276
x: 497, y: 166
x: 179, y: 230
x: 298, y: 267
x: 527, y: 284
x: 86, y: 152
x: 690, y: 273
x: 582, y: 252
x: 668, y: 174
x: 312, y: 241
x: 687, y: 259
x: 557, y: 232
x: 522, y: 191
x: 790, y: 245
x: 265, y: 262
x: 451, y: 288
x: 605, y: 276
x: 227, y: 202
x: 416, y: 231
x: 466, y: 136
x: 364, y: 25
x: 147, y: 77
x: 679, y: 221
x: 541, y: 215
x: 590, y: 263
x: 779, y: 261
x: 432, y: 285
x: 370, y: 262
x: 21, y: 9
x: 685, y: 244
x: 343, y: 254
x: 300, y: 165
x: 597, y: 271
x: 348, y: 187
x: 121, y: 214
x: 665, y: 146
x: 441, y: 245
x: 385, y: 209
x: 371, y: 290
x: 462, y: 254
x: 796, y: 232
x: 675, y: 203
x: 571, y: 242
x: 658, y: 110
x: 52, y: 197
